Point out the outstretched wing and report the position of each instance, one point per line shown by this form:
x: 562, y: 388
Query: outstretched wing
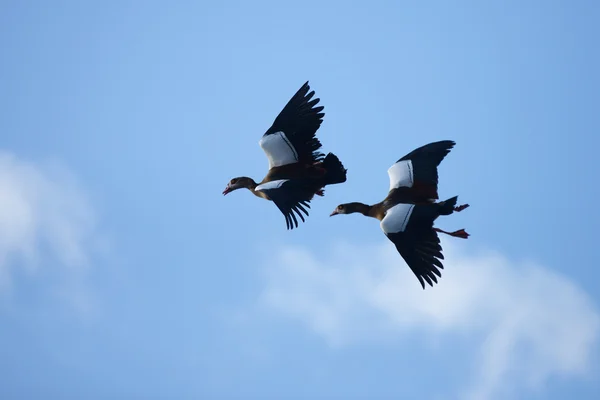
x: 292, y: 197
x: 292, y: 137
x: 410, y: 228
x: 418, y: 169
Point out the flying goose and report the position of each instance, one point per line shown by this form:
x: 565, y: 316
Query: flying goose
x: 297, y: 170
x: 410, y: 208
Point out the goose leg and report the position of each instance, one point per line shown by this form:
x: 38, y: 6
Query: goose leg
x: 460, y: 208
x: 461, y: 233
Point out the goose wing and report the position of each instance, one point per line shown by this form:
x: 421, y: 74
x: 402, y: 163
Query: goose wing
x: 292, y: 136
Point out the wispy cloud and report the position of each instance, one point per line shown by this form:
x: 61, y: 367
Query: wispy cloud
x: 45, y: 219
x: 526, y: 322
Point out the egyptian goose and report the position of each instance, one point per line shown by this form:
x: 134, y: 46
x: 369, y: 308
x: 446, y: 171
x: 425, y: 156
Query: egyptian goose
x: 297, y: 171
x: 410, y: 208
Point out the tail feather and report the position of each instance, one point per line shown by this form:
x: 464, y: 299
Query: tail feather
x: 447, y: 207
x: 335, y: 171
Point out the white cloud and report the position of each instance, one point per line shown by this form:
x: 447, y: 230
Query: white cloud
x: 45, y: 219
x: 527, y: 323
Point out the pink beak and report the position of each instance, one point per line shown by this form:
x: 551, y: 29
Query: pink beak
x: 333, y: 213
x: 227, y: 190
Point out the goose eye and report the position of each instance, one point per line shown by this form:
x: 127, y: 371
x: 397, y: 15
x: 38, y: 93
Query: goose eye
x: 340, y: 208
x: 233, y: 181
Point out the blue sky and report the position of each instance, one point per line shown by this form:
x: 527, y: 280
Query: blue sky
x: 125, y: 273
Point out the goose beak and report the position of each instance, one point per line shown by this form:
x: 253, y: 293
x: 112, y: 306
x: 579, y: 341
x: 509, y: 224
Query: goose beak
x: 227, y: 190
x: 333, y: 213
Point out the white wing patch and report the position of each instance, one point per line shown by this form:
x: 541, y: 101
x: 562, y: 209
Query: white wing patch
x: 279, y: 149
x: 271, y: 185
x: 396, y: 218
x: 401, y: 174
